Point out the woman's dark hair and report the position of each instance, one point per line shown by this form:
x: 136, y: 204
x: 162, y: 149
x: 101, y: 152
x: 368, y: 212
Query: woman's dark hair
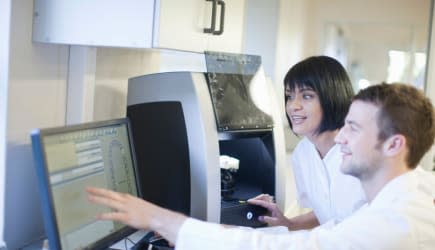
x: 327, y: 77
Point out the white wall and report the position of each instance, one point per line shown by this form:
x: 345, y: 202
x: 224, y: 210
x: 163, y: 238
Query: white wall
x: 36, y: 98
x: 4, y: 75
x: 260, y: 32
x: 428, y: 161
x: 386, y: 12
x: 116, y: 66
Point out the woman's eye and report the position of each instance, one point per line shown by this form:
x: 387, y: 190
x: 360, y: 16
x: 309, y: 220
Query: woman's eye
x: 307, y: 96
x: 289, y: 97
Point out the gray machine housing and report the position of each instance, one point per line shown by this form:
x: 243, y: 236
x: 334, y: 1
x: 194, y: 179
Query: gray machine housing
x: 191, y: 90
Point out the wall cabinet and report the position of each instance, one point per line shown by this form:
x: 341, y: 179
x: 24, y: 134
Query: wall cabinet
x: 111, y: 23
x: 170, y: 24
x: 181, y: 25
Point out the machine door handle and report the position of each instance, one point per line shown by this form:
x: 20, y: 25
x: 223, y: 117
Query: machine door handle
x: 222, y: 19
x: 213, y: 17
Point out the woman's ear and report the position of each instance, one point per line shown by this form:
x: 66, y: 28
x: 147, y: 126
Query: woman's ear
x: 394, y: 145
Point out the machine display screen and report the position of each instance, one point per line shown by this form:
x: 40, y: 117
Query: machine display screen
x: 239, y: 91
x: 233, y: 102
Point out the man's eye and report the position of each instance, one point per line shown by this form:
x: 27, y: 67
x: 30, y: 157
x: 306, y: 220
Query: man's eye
x: 353, y: 128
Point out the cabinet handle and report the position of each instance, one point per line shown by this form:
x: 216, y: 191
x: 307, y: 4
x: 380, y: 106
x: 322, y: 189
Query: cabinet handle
x: 213, y: 17
x: 222, y: 21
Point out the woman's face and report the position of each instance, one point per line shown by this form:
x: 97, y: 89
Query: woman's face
x: 304, y: 110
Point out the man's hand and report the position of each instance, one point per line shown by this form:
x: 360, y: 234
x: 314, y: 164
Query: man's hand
x: 137, y: 213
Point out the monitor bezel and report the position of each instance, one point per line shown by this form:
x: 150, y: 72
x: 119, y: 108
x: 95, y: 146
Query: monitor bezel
x: 46, y: 195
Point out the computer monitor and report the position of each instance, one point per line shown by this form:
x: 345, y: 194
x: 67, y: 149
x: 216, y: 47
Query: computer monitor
x: 70, y: 158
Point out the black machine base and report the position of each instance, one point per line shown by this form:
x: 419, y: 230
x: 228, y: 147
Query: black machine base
x: 242, y: 214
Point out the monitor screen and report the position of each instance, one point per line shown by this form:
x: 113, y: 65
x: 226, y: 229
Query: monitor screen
x: 70, y: 158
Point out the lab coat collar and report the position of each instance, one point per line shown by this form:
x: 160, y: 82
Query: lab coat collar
x: 395, y: 188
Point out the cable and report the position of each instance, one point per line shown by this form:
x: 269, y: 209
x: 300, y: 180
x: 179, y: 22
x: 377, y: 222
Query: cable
x: 125, y: 242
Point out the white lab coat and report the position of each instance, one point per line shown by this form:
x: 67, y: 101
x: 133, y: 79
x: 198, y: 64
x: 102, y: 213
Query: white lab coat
x: 321, y: 185
x: 401, y: 217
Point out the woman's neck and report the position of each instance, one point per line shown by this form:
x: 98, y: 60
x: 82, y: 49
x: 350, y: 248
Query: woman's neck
x: 323, y: 142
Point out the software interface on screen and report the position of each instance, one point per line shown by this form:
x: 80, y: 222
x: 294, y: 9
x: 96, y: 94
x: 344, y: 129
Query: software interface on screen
x: 98, y: 156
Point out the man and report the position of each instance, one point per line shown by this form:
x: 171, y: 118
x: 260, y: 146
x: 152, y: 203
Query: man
x: 387, y: 131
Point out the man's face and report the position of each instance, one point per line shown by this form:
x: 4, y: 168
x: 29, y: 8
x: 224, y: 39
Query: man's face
x: 360, y: 147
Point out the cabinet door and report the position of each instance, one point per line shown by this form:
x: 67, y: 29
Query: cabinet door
x: 232, y: 37
x: 97, y: 23
x: 179, y: 24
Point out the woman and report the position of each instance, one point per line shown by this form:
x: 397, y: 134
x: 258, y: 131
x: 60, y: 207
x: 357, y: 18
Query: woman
x: 318, y: 93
